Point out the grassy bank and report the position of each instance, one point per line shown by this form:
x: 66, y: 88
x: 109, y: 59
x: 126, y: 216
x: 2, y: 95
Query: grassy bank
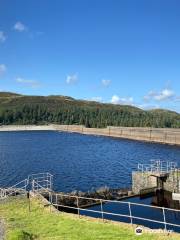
x: 40, y: 223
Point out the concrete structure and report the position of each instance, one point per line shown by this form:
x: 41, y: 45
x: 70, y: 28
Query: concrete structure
x: 157, y: 175
x: 160, y: 135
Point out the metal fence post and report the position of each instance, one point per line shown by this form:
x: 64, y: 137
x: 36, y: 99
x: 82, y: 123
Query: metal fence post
x: 164, y: 217
x: 130, y: 213
x: 102, y: 214
x: 77, y: 199
x: 56, y: 199
x: 51, y: 202
x: 33, y: 185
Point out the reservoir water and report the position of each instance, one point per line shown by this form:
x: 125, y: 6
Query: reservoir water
x: 78, y: 162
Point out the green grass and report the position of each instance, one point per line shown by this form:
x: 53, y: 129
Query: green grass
x: 42, y: 224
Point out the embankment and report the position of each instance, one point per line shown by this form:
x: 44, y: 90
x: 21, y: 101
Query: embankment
x: 160, y: 135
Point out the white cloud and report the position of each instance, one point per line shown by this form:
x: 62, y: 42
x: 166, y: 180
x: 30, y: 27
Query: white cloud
x: 2, y: 37
x: 72, y: 79
x: 124, y: 101
x: 20, y: 27
x: 96, y: 99
x: 115, y: 99
x: 165, y: 94
x: 106, y: 82
x: 27, y: 82
x: 2, y: 69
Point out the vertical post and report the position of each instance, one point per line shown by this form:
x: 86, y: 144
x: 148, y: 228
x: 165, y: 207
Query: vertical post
x: 50, y: 181
x: 102, y: 214
x: 77, y: 200
x: 29, y: 203
x: 165, y: 137
x: 33, y: 185
x: 164, y: 217
x: 50, y: 199
x: 130, y: 213
x: 178, y: 188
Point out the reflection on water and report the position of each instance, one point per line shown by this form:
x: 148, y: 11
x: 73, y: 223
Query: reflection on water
x: 164, y: 199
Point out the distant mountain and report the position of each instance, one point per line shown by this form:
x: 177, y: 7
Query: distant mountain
x: 9, y: 94
x: 21, y: 109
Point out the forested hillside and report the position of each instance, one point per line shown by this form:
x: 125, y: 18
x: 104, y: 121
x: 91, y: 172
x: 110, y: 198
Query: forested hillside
x: 20, y: 109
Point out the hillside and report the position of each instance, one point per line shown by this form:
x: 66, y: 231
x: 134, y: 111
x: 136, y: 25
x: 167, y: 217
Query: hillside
x: 21, y: 109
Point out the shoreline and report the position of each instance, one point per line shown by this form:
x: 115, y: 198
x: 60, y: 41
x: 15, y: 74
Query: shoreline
x: 158, y: 135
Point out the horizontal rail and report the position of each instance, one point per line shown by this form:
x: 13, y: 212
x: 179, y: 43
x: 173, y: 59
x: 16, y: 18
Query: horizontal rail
x: 115, y: 201
x: 116, y: 214
x: 109, y: 213
x: 21, y: 187
x: 101, y: 212
x: 25, y: 181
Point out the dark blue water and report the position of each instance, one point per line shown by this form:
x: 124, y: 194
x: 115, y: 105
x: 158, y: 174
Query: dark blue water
x: 122, y: 207
x: 80, y: 162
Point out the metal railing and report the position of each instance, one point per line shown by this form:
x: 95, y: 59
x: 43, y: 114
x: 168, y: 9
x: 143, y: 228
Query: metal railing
x: 55, y: 198
x: 158, y: 166
x: 18, y: 188
x: 30, y: 183
x: 81, y: 204
x: 45, y: 180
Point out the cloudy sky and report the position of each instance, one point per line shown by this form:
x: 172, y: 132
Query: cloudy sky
x: 123, y: 52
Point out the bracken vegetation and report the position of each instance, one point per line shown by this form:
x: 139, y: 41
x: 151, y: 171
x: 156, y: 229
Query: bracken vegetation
x: 20, y: 109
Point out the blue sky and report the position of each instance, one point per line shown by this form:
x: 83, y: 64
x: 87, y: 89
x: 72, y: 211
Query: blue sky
x: 119, y: 51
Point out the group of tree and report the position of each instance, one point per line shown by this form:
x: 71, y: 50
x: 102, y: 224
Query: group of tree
x: 19, y: 109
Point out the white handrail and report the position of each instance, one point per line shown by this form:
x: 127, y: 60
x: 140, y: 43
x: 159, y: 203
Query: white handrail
x: 130, y: 215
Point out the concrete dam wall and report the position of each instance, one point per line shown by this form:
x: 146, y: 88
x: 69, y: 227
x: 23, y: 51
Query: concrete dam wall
x: 146, y: 180
x: 160, y: 135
